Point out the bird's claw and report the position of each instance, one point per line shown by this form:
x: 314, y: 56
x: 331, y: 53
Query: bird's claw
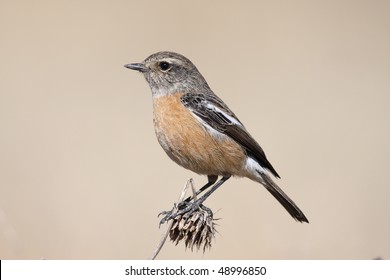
x: 184, y: 209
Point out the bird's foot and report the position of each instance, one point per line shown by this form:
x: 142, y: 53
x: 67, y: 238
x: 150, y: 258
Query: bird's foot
x: 184, y: 210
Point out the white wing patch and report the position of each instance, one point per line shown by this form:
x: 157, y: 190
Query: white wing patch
x: 211, y: 130
x: 227, y: 116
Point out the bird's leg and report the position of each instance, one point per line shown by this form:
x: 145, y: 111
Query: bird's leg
x: 211, y: 180
x: 187, y: 208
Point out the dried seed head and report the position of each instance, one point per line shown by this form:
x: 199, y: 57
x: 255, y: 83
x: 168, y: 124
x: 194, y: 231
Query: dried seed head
x: 196, y: 229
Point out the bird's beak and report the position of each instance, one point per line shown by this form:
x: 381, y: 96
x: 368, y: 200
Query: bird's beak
x: 137, y: 66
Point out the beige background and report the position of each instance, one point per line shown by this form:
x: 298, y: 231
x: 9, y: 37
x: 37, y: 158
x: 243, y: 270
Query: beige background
x: 82, y: 175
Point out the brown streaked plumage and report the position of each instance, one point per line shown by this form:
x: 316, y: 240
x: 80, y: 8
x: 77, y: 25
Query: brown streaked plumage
x: 188, y: 143
x: 198, y: 104
x: 199, y: 132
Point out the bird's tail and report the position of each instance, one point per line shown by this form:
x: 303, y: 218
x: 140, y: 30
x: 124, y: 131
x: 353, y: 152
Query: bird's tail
x: 287, y: 202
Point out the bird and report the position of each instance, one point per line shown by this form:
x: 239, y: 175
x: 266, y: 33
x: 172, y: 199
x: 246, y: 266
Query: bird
x: 199, y: 132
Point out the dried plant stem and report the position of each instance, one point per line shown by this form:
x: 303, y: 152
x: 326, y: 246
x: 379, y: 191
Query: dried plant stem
x: 170, y: 223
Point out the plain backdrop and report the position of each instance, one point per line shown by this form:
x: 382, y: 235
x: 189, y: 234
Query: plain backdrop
x: 83, y: 177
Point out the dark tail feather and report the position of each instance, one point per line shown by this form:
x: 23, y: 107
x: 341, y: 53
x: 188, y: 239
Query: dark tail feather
x: 287, y: 203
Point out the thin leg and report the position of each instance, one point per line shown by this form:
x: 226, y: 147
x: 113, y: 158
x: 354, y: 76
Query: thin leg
x: 212, y: 179
x: 189, y: 207
x: 200, y: 200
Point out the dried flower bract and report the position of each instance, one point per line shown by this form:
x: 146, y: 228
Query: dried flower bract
x: 196, y: 228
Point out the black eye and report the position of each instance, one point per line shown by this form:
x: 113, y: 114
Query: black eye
x: 164, y: 65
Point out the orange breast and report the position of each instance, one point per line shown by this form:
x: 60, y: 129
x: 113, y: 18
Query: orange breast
x: 190, y: 144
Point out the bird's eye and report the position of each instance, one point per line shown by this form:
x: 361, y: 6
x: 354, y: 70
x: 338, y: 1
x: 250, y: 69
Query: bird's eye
x: 164, y: 66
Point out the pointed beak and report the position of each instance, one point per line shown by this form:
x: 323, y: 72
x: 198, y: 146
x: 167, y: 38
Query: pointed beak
x: 137, y: 66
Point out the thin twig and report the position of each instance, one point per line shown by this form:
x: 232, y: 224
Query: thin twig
x: 164, y: 238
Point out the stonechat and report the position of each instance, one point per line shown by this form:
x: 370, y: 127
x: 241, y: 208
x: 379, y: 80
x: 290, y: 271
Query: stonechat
x: 199, y: 132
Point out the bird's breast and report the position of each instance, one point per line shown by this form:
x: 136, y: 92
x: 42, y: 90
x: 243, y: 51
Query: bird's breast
x: 190, y: 144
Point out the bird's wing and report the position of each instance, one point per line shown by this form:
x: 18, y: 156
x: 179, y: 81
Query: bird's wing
x: 215, y: 114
